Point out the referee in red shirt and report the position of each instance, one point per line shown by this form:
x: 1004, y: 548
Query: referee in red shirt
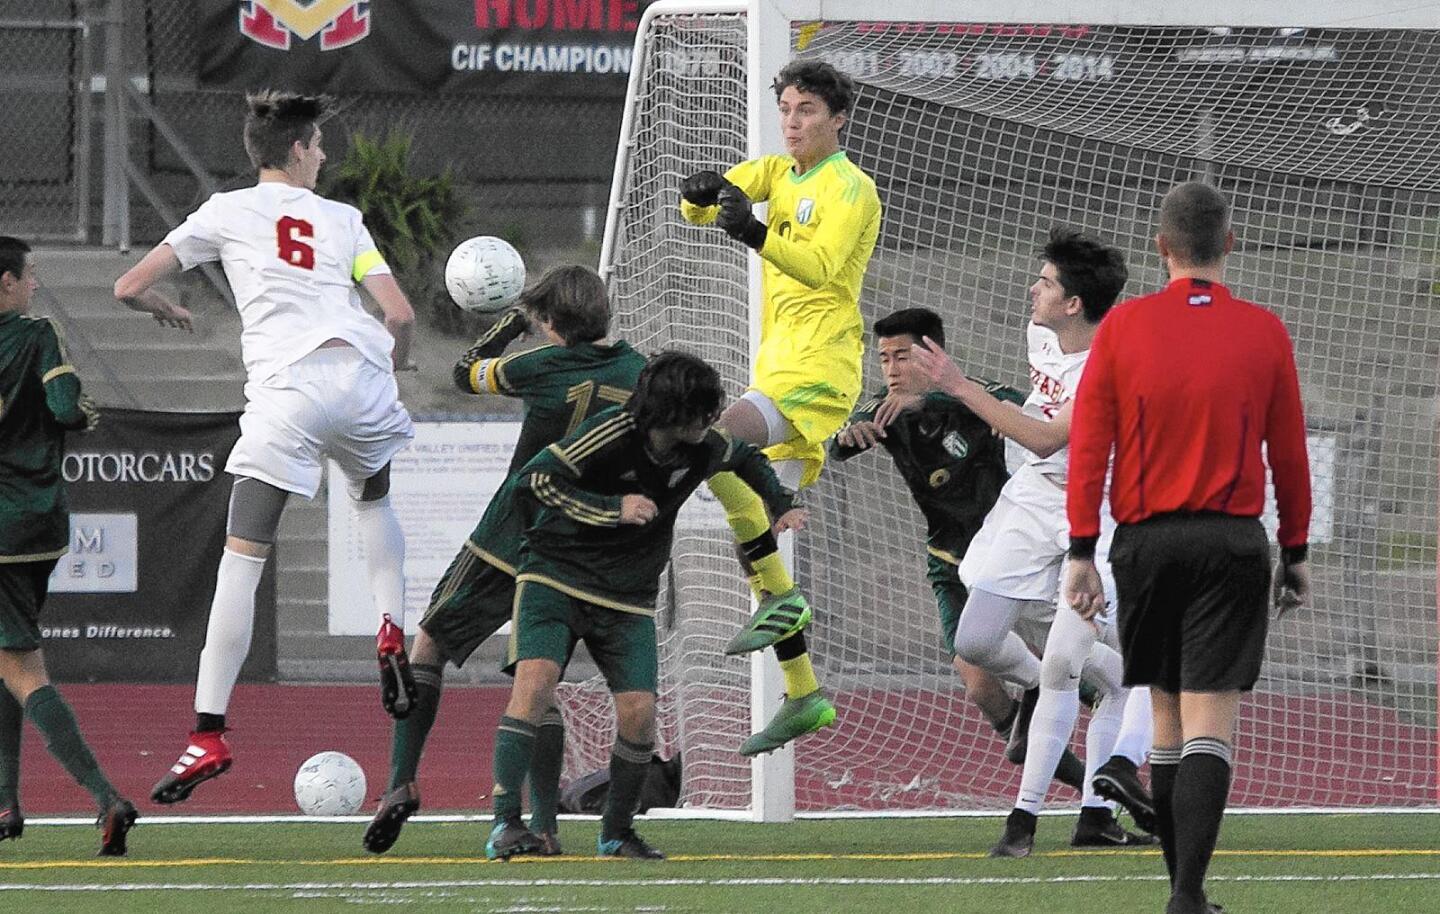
x: 1187, y: 386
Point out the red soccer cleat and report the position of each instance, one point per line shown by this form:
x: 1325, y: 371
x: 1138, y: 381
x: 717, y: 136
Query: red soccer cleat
x: 207, y: 756
x: 397, y: 686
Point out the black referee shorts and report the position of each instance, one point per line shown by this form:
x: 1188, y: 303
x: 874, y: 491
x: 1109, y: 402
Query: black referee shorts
x: 1194, y: 603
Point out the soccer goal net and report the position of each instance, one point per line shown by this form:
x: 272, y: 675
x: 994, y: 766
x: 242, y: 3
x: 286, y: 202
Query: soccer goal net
x: 1325, y: 134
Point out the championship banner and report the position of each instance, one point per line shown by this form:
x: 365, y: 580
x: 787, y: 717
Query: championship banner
x: 517, y: 47
x: 148, y: 501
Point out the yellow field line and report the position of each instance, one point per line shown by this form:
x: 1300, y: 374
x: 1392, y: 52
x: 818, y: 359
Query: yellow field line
x: 685, y: 858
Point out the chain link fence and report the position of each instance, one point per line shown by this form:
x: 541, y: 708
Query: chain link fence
x: 535, y: 170
x: 45, y: 76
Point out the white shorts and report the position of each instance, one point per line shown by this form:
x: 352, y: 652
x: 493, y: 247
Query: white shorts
x: 1020, y: 549
x: 333, y: 403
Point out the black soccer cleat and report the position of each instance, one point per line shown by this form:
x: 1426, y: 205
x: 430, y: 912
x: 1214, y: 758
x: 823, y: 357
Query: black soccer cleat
x: 510, y: 838
x: 629, y: 845
x: 396, y: 806
x: 1097, y: 828
x: 1019, y: 740
x: 12, y: 822
x: 115, y: 822
x: 549, y: 844
x: 1019, y: 837
x: 1119, y: 781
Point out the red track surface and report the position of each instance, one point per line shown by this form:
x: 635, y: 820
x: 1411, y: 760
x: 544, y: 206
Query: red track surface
x: 138, y: 731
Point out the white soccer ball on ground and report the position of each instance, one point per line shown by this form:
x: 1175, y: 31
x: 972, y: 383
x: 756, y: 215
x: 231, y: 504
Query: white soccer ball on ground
x: 329, y: 784
x: 484, y: 274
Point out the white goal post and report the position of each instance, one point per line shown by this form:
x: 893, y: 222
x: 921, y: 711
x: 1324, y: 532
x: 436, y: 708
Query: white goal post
x: 983, y: 123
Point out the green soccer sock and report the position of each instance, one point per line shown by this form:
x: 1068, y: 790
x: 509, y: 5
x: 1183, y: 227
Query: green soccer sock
x: 514, y: 746
x: 56, y: 722
x: 11, y: 717
x: 545, y: 768
x: 628, y: 764
x: 408, y: 742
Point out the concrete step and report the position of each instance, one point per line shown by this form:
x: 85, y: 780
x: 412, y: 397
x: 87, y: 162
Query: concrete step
x: 82, y: 268
x: 164, y: 359
x: 176, y: 394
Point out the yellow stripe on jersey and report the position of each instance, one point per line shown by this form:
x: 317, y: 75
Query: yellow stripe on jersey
x: 367, y: 262
x: 56, y: 372
x: 545, y: 490
x: 579, y: 594
x: 593, y: 440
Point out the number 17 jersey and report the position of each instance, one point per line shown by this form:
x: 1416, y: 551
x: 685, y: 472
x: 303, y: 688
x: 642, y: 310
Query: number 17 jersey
x: 293, y: 259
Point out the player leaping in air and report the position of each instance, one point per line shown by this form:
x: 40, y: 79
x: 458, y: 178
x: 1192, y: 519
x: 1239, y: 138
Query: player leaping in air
x: 822, y: 223
x: 320, y: 383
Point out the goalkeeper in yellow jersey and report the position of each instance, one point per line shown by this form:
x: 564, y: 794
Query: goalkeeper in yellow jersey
x: 822, y: 222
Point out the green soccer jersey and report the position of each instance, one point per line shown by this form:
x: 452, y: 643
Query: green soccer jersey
x: 950, y: 460
x: 39, y: 400
x: 571, y: 494
x: 560, y: 387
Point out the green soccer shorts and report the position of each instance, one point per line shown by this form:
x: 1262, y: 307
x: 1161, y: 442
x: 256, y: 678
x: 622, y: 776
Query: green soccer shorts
x: 950, y: 597
x: 549, y: 623
x: 472, y: 599
x: 23, y: 588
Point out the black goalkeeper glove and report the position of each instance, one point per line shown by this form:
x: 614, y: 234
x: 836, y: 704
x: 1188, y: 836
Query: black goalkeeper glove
x: 737, y: 219
x: 702, y: 188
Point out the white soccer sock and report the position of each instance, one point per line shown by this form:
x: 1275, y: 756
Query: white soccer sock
x: 1100, y: 741
x: 1016, y: 663
x: 384, y: 545
x: 227, y: 636
x: 1050, y: 729
x: 1137, y: 730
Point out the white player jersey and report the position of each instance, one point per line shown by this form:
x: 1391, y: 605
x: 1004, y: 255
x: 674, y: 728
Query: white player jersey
x: 293, y: 259
x: 1054, y: 378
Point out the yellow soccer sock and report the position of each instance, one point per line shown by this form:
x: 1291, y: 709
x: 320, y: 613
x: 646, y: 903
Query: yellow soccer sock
x: 772, y: 574
x: 799, y: 676
x: 744, y: 510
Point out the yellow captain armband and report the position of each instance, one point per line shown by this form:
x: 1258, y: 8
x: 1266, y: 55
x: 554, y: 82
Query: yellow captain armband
x: 365, y: 263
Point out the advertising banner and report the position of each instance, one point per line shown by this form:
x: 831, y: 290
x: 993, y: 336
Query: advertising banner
x: 520, y: 47
x: 148, y: 500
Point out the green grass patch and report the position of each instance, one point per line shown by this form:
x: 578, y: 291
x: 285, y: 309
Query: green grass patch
x: 1271, y: 864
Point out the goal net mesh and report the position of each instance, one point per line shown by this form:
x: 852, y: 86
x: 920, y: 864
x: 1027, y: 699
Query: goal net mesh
x: 981, y: 137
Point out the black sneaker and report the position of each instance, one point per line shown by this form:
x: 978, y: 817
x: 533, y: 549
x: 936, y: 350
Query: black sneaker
x: 396, y: 806
x: 549, y: 844
x: 115, y: 822
x: 1118, y: 780
x: 628, y: 845
x: 1019, y: 837
x: 1019, y: 740
x: 12, y: 823
x: 510, y: 838
x: 1097, y: 828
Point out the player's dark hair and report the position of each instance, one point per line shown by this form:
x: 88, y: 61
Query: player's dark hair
x: 917, y: 322
x: 12, y: 255
x: 278, y: 120
x: 1195, y: 220
x: 1088, y: 268
x: 818, y: 78
x: 676, y: 389
x: 573, y: 299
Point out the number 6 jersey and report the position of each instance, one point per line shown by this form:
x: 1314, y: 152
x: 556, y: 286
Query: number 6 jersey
x: 293, y: 259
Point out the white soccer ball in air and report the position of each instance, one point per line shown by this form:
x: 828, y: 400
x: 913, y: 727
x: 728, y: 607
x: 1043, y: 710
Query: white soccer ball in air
x: 329, y: 784
x: 484, y: 274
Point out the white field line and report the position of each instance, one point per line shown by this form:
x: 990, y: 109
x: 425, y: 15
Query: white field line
x: 758, y: 882
x: 732, y: 814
